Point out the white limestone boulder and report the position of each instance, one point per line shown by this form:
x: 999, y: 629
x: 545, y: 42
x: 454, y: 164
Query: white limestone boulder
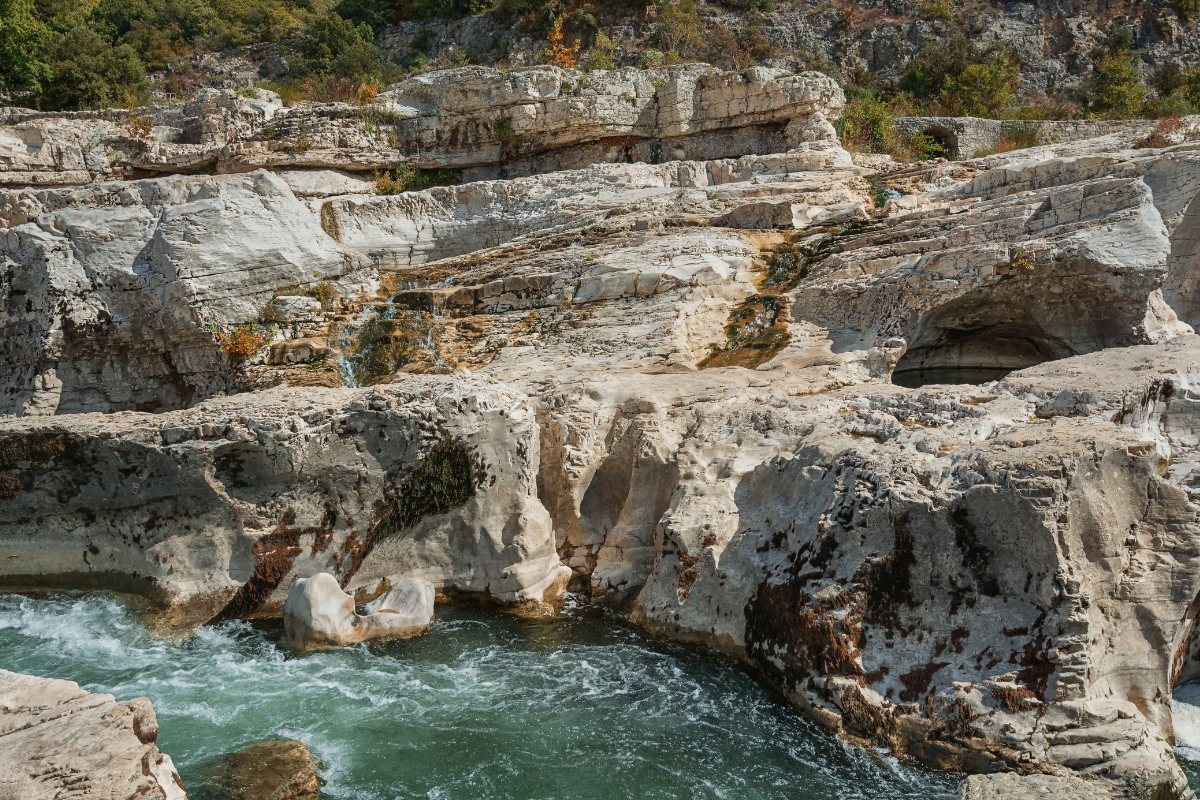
x: 319, y: 614
x: 108, y: 291
x: 57, y: 741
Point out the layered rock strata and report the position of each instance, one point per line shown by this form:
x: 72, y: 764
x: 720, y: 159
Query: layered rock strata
x: 520, y: 122
x: 56, y: 740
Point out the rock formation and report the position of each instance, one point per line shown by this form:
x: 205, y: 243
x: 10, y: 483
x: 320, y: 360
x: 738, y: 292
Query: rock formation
x: 57, y: 740
x: 318, y: 613
x: 227, y: 503
x: 679, y: 385
x: 111, y: 289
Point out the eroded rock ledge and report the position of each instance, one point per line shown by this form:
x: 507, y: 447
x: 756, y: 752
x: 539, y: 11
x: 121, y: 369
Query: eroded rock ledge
x: 525, y: 121
x: 216, y: 510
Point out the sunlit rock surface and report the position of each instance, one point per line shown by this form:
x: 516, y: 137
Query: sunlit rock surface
x: 318, y: 613
x: 56, y: 740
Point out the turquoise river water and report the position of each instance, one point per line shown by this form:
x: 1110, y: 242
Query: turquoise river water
x: 484, y: 705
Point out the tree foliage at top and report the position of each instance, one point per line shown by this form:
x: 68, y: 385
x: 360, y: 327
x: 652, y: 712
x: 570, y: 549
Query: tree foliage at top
x: 22, y: 41
x: 965, y: 78
x: 70, y: 54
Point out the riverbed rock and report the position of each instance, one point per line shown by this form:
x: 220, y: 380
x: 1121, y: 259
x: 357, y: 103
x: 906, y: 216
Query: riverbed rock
x: 699, y: 425
x: 318, y: 613
x: 277, y: 769
x: 57, y: 740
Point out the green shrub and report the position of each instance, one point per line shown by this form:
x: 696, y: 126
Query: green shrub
x: 461, y: 57
x: 601, y: 55
x: 503, y: 129
x: 1115, y: 88
x: 936, y: 9
x: 868, y: 126
x: 88, y: 72
x: 406, y: 179
x: 1186, y: 8
x: 983, y: 90
x: 1168, y: 79
x: 1120, y: 38
x: 678, y: 30
x: 1177, y: 102
x: 927, y: 73
x: 962, y: 78
x: 22, y: 39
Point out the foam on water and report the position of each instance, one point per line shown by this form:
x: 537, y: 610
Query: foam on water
x: 1185, y: 714
x: 482, y: 706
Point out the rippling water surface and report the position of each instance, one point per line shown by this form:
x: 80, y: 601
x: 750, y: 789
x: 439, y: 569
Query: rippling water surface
x: 482, y: 706
x: 1185, y: 714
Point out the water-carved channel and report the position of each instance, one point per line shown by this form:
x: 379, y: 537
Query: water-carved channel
x: 484, y: 705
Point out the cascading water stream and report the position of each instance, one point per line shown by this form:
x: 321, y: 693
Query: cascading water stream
x: 381, y: 337
x: 484, y: 705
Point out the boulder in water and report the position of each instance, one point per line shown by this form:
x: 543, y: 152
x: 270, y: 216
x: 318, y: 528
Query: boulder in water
x: 277, y: 769
x: 319, y: 614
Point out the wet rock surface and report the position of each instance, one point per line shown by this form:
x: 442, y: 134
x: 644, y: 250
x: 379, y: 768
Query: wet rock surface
x: 277, y: 769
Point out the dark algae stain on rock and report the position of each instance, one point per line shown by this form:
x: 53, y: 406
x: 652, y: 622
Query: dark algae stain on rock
x: 446, y: 479
x: 975, y: 555
x: 22, y: 455
x: 274, y: 555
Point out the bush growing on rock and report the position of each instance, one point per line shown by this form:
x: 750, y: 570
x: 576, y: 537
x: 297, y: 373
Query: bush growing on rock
x: 936, y: 10
x: 963, y: 78
x: 406, y: 179
x: 243, y: 341
x: 868, y: 126
x: 679, y: 31
x: 1186, y: 8
x: 1115, y: 88
x: 602, y: 54
x: 983, y: 90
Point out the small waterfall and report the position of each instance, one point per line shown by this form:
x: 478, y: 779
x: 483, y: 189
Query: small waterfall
x: 382, y: 337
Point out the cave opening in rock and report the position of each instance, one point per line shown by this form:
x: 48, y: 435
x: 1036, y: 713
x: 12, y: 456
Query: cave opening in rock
x: 945, y: 138
x: 974, y: 340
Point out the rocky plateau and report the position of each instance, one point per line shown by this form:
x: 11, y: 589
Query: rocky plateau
x: 921, y: 447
